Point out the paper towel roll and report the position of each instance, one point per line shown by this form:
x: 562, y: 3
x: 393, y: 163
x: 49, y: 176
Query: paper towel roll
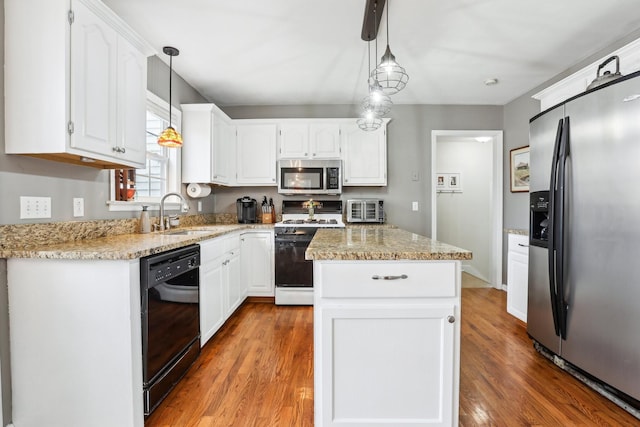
x: 198, y: 190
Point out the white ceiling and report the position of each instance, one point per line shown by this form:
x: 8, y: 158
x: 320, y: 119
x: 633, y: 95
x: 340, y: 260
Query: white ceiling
x: 293, y: 52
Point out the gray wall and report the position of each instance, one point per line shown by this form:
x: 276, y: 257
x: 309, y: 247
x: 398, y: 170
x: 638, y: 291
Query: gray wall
x: 408, y: 149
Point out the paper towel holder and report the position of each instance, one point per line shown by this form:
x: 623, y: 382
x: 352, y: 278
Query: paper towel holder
x: 195, y: 190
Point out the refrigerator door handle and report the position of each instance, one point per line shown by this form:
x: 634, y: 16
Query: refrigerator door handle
x: 552, y: 227
x: 559, y: 229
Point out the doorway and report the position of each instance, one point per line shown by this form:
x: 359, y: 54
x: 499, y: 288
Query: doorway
x: 466, y: 197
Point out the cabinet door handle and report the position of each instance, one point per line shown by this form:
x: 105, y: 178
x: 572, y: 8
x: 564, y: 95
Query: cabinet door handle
x: 376, y: 277
x: 451, y: 319
x: 524, y: 246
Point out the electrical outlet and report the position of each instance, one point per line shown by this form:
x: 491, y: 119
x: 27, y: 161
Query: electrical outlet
x: 78, y: 206
x: 199, y: 205
x: 35, y: 207
x: 414, y: 206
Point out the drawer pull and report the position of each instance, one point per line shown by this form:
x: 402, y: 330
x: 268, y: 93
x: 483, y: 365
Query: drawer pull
x: 524, y: 246
x: 376, y: 277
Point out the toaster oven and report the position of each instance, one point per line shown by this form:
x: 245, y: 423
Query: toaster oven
x: 365, y: 210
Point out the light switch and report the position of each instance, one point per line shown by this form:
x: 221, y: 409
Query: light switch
x: 35, y: 207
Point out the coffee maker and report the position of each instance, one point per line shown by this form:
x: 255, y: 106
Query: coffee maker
x: 247, y: 208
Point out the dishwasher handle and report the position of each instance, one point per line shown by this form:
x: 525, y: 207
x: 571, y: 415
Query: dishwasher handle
x: 402, y: 276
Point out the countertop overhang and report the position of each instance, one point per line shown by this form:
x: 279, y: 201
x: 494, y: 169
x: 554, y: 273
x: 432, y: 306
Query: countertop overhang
x: 379, y: 244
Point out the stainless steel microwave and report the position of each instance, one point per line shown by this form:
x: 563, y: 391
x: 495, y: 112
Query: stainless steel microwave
x: 310, y: 176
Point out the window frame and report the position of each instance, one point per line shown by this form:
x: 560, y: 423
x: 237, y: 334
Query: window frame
x: 159, y: 107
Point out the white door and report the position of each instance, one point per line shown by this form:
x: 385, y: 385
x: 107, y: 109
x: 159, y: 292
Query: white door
x: 387, y: 365
x: 294, y: 140
x: 518, y: 276
x: 224, y: 141
x: 93, y: 83
x: 256, y: 154
x: 212, y: 307
x: 365, y: 156
x: 257, y: 263
x: 324, y: 140
x: 132, y: 107
x: 235, y: 294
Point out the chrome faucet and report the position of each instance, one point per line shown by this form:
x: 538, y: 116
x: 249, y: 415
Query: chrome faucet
x: 184, y: 204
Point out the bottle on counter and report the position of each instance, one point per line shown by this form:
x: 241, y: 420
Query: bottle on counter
x: 145, y: 223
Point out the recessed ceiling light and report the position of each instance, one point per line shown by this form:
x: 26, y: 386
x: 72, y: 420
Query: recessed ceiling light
x: 491, y: 82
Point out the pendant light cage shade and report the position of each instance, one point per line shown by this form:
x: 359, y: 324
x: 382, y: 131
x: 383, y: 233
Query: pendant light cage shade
x: 170, y: 137
x: 369, y: 121
x: 376, y: 101
x: 389, y: 74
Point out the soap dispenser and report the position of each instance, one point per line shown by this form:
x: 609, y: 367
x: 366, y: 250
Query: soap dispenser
x: 145, y: 224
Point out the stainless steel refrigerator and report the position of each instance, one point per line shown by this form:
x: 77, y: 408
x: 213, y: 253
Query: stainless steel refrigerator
x: 584, y: 255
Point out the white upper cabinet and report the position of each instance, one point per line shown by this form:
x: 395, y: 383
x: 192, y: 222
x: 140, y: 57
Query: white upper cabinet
x: 208, y: 154
x: 256, y: 153
x: 364, y: 156
x: 91, y: 112
x: 309, y: 140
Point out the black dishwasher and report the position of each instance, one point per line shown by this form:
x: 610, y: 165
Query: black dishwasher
x: 169, y: 288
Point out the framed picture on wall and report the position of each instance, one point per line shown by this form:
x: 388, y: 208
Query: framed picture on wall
x: 455, y: 182
x: 520, y: 169
x: 449, y: 182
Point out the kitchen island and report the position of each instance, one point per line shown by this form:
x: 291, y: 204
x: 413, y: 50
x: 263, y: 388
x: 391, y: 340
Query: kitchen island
x: 386, y: 328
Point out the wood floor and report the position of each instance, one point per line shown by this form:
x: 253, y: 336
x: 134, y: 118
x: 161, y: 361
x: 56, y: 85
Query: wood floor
x: 258, y: 372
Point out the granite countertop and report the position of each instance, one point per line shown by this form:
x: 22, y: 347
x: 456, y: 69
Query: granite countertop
x: 127, y: 246
x: 379, y: 244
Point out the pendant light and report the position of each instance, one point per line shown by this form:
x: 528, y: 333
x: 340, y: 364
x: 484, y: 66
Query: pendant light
x: 170, y: 137
x: 377, y: 101
x: 391, y: 76
x: 375, y: 104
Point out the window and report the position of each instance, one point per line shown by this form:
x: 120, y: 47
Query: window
x: 152, y: 180
x: 131, y: 188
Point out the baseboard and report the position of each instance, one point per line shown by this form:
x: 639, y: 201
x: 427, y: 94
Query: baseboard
x: 261, y: 300
x: 502, y: 287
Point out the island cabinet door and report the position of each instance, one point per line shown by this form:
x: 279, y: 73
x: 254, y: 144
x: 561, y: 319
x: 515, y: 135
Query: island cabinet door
x: 386, y: 365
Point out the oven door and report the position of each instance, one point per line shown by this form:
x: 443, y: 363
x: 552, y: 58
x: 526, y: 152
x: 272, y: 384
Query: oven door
x: 292, y: 270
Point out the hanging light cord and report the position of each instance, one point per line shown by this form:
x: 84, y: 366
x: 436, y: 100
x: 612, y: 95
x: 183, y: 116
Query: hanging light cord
x: 387, y: 25
x: 170, y: 88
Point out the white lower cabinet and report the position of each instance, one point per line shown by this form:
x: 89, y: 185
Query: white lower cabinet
x: 518, y: 276
x: 75, y: 342
x: 386, y: 352
x: 221, y: 290
x: 256, y: 259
